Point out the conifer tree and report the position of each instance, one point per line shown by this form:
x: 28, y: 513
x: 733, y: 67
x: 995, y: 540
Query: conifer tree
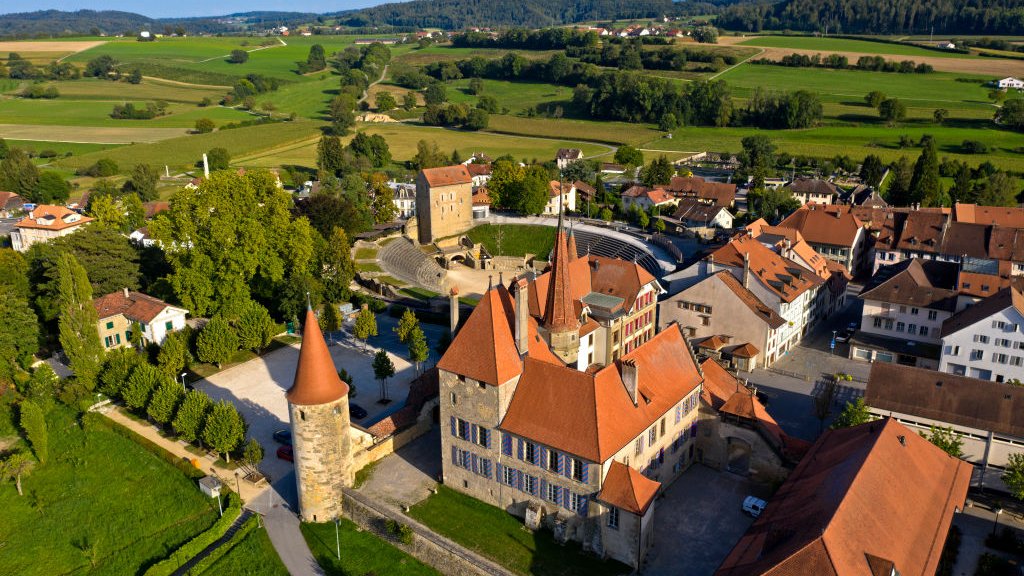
x: 78, y: 321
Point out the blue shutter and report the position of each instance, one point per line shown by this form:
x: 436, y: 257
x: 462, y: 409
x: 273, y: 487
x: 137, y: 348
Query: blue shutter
x: 453, y: 426
x: 568, y: 467
x: 583, y: 506
x: 543, y: 489
x: 558, y: 496
x: 679, y: 411
x: 497, y: 473
x: 486, y: 467
x: 561, y: 463
x: 519, y: 448
x: 485, y: 437
x: 585, y: 477
x: 519, y: 480
x: 472, y: 433
x: 455, y: 455
x: 536, y: 455
x: 506, y: 444
x: 474, y: 463
x: 543, y: 457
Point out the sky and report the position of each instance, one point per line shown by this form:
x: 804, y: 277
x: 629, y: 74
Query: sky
x: 185, y: 8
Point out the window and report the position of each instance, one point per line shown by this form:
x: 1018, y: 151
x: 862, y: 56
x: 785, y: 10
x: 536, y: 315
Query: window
x: 552, y: 460
x: 954, y: 350
x: 900, y: 326
x: 613, y: 518
x: 509, y: 476
x: 933, y: 314
x: 705, y: 321
x: 169, y: 326
x: 638, y: 446
x: 914, y: 311
x: 110, y: 325
x: 1000, y: 358
x: 1002, y: 342
x: 1015, y: 360
x: 652, y: 435
x: 108, y: 341
x: 981, y: 338
x: 998, y: 324
x: 662, y: 427
x: 530, y: 484
x: 551, y: 494
x: 888, y: 323
x: 976, y: 354
x: 454, y: 399
x: 912, y: 329
x: 903, y: 309
x: 877, y: 323
x: 529, y: 451
x: 483, y: 437
x: 462, y: 429
x: 577, y: 470
x: 575, y: 502
x: 923, y: 331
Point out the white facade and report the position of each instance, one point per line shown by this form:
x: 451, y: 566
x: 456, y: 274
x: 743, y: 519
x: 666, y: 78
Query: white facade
x: 1011, y: 82
x: 903, y: 321
x: 568, y: 202
x: 990, y: 349
x: 404, y: 199
x: 170, y: 319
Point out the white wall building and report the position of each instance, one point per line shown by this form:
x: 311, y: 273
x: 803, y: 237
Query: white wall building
x: 1011, y: 82
x: 986, y: 341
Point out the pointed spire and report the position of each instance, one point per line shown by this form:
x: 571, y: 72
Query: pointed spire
x: 316, y: 377
x: 572, y: 253
x: 559, y: 312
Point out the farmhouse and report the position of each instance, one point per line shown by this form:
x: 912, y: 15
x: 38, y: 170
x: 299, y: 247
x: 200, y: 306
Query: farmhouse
x: 1011, y: 82
x: 813, y: 191
x: 566, y: 156
x: 118, y: 310
x: 46, y: 222
x: 560, y: 197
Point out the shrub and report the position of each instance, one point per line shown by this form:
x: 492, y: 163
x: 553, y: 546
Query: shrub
x: 204, y: 126
x: 196, y: 545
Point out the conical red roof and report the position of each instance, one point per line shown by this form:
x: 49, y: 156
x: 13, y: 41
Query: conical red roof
x: 560, y: 313
x: 316, y: 378
x: 572, y: 254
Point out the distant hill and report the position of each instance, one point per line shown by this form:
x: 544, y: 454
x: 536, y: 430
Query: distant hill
x: 878, y: 16
x: 59, y: 23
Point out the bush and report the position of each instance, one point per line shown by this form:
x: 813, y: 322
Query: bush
x: 238, y: 57
x: 196, y: 545
x: 974, y: 147
x: 402, y: 532
x: 204, y: 126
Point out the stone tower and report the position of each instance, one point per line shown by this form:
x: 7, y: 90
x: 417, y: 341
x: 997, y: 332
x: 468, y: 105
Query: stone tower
x: 318, y: 410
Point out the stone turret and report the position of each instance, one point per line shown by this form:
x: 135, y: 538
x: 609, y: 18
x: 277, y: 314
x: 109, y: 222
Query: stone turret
x: 561, y: 323
x: 318, y: 410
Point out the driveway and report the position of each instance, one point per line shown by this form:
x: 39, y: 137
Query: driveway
x: 699, y: 520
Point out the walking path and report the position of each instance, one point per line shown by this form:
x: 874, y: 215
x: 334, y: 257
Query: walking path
x: 184, y: 568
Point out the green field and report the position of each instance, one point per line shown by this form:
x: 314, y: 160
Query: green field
x: 252, y: 555
x: 362, y: 553
x: 516, y: 240
x: 516, y: 96
x: 60, y: 148
x: 845, y: 45
x: 445, y: 53
x: 307, y: 99
x: 587, y: 130
x: 102, y: 505
x: 66, y: 112
x: 149, y: 89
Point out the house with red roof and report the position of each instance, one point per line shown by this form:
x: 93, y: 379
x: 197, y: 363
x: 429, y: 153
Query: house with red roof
x: 44, y: 223
x: 561, y: 405
x: 835, y: 232
x: 118, y: 311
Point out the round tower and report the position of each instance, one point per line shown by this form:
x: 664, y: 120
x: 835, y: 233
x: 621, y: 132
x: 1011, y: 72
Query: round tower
x: 321, y: 445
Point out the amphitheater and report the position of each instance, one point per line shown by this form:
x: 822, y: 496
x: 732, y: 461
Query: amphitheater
x: 405, y: 261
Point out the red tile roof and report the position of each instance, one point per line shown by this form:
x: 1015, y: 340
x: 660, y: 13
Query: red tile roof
x: 135, y: 306
x: 1013, y: 217
x: 748, y: 298
x: 915, y: 282
x: 559, y: 309
x: 593, y: 273
x: 745, y: 350
x: 782, y: 276
x: 447, y: 175
x: 482, y: 197
x: 10, y: 200
x: 48, y: 217
x: 479, y: 169
x: 875, y: 490
x: 592, y: 415
x: 316, y: 377
x: 627, y: 489
x: 832, y: 225
x: 719, y: 193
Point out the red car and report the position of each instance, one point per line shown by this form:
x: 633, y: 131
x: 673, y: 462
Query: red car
x: 285, y: 453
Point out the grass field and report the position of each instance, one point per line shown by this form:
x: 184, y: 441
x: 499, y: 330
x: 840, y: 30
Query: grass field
x: 446, y: 53
x: 516, y: 240
x: 307, y: 99
x: 149, y: 89
x: 59, y: 147
x: 588, y: 130
x: 846, y: 45
x: 66, y: 112
x: 516, y: 96
x: 362, y: 553
x: 102, y: 505
x: 500, y: 536
x: 252, y: 555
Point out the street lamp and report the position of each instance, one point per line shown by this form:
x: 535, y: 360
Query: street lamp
x: 337, y: 536
x: 995, y: 521
x: 238, y: 486
x: 183, y: 381
x: 832, y: 344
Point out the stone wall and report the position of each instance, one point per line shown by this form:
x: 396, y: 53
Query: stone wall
x: 371, y: 449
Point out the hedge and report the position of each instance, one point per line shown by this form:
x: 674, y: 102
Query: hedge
x: 95, y: 421
x: 167, y: 566
x: 201, y: 566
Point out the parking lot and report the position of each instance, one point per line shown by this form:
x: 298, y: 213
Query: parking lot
x: 699, y: 520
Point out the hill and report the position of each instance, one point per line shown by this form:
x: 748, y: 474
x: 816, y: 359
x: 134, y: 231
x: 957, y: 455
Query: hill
x: 878, y: 16
x: 96, y: 22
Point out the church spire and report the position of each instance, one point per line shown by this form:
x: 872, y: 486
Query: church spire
x: 572, y: 254
x: 559, y: 312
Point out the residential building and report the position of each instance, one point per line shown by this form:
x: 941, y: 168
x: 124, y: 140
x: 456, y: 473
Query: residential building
x: 834, y: 232
x: 481, y: 203
x: 1011, y: 82
x: 558, y: 202
x: 566, y: 156
x: 404, y: 199
x: 850, y: 506
x: 863, y: 196
x: 10, y: 203
x: 443, y: 202
x: 585, y: 191
x: 717, y: 193
x: 813, y: 191
x: 646, y: 198
x: 481, y: 173
x: 986, y: 414
x: 44, y: 223
x: 118, y: 310
x: 986, y: 340
x: 696, y: 216
x: 905, y: 305
x: 582, y: 451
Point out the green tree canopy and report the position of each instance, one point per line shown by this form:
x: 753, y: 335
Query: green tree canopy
x: 217, y: 341
x: 117, y: 368
x: 255, y: 328
x: 51, y: 188
x: 419, y: 351
x: 174, y: 356
x: 925, y: 185
x: 19, y: 334
x: 142, y: 180
x: 406, y: 324
x: 218, y: 158
x: 366, y: 325
x: 13, y: 465
x: 18, y: 174
x: 949, y: 441
x: 141, y: 384
x: 383, y: 368
x: 855, y: 413
x: 1011, y: 114
x: 1013, y: 477
x: 78, y: 319
x: 164, y: 401
x: 334, y: 262
x: 191, y: 415
x: 629, y: 156
x: 659, y: 171
x: 224, y: 429
x: 33, y: 423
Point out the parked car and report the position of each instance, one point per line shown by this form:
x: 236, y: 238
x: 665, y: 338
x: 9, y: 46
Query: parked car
x: 285, y: 453
x: 356, y: 412
x: 283, y: 436
x: 753, y: 506
x: 845, y: 336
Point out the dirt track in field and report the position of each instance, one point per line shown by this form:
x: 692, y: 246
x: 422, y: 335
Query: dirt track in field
x: 88, y: 134
x: 1000, y: 67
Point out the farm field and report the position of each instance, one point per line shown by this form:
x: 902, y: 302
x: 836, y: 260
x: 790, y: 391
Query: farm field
x: 845, y: 45
x: 586, y: 130
x: 516, y: 96
x: 87, y: 134
x: 440, y: 53
x: 96, y: 480
x: 62, y: 112
x: 149, y: 89
x: 61, y: 148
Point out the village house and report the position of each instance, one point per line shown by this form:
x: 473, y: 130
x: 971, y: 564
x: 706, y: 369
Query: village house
x: 443, y: 202
x: 986, y: 340
x: 10, y: 204
x: 1010, y: 83
x: 44, y: 223
x: 985, y: 414
x: 834, y: 232
x: 404, y: 198
x: 646, y: 198
x: 566, y: 156
x: 716, y: 193
x: 849, y: 505
x: 481, y: 173
x: 813, y: 191
x: 118, y: 310
x: 566, y: 200
x: 481, y: 203
x: 537, y: 427
x: 699, y: 217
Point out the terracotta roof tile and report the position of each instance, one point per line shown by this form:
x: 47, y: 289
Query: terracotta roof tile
x: 479, y: 169
x: 1003, y: 216
x: 785, y: 278
x: 135, y: 306
x: 559, y: 309
x: 876, y: 489
x: 447, y: 175
x: 813, y: 186
x: 10, y: 200
x: 48, y: 217
x: 316, y: 377
x: 745, y: 350
x: 915, y: 282
x: 721, y: 194
x: 627, y: 489
x: 832, y: 225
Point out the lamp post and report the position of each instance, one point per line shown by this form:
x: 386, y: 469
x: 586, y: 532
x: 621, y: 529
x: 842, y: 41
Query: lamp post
x: 183, y: 381
x: 832, y: 344
x: 995, y: 521
x: 238, y: 486
x: 337, y: 536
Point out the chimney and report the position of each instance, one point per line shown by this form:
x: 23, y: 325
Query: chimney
x: 711, y: 263
x: 522, y: 317
x: 126, y: 292
x: 746, y: 270
x: 206, y: 167
x: 631, y: 378
x: 788, y: 245
x: 453, y: 309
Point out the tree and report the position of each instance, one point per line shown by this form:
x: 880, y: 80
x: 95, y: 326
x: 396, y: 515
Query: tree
x: 855, y: 413
x: 428, y: 155
x: 33, y: 423
x: 52, y: 188
x: 476, y: 86
x: 255, y: 328
x: 191, y: 415
x: 224, y: 429
x: 330, y: 155
x: 101, y: 66
x: 892, y: 110
x: 117, y: 369
x: 142, y: 181
x: 173, y: 356
x: 757, y: 158
x: 772, y: 204
x: 384, y: 209
x: 42, y: 387
x: 668, y: 122
x: 406, y: 324
x: 385, y: 101
x: 875, y: 98
x: 373, y: 148
x: 821, y: 403
x: 705, y: 34
x: 409, y: 100
x: 342, y: 113
x: 216, y: 342
x: 925, y: 185
x: 144, y: 379
x: 366, y: 325
x: 19, y: 332
x: 1011, y: 114
x: 419, y: 351
x: 940, y: 115
x: 606, y: 214
x: 477, y: 119
x: 164, y: 401
x: 335, y: 266
x: 659, y: 171
x: 18, y: 174
x: 218, y: 158
x: 14, y: 465
x: 4, y: 149
x: 204, y: 126
x: 872, y: 170
x: 316, y: 60
x: 135, y: 77
x: 999, y: 189
x: 252, y: 455
x: 629, y: 156
x: 77, y: 322
x: 435, y: 94
x: 330, y: 320
x: 383, y: 368
x: 899, y: 192
x: 949, y: 441
x: 238, y: 57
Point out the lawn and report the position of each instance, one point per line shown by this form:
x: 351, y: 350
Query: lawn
x: 102, y: 504
x: 845, y: 45
x: 446, y: 53
x: 365, y: 253
x: 502, y: 537
x: 185, y: 151
x: 516, y: 96
x: 362, y: 553
x: 368, y: 267
x: 419, y: 293
x: 60, y: 148
x: 253, y: 554
x: 516, y: 239
x: 588, y: 130
x: 308, y: 99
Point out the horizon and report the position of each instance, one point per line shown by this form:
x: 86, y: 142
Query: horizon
x: 186, y: 8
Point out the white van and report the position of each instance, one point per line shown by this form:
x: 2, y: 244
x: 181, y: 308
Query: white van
x: 753, y: 506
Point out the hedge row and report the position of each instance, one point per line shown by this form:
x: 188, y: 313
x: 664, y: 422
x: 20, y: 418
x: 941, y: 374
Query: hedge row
x: 167, y: 566
x: 201, y: 566
x: 95, y: 421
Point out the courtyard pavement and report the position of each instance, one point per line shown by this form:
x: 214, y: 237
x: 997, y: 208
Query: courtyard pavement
x: 407, y: 476
x: 699, y: 519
